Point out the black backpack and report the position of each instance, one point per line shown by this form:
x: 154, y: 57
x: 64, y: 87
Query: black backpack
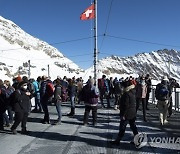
x: 86, y: 93
x: 162, y: 92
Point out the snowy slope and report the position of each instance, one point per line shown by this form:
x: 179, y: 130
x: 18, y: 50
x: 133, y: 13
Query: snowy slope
x: 17, y: 48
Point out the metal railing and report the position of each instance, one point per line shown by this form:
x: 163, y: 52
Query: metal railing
x: 175, y: 98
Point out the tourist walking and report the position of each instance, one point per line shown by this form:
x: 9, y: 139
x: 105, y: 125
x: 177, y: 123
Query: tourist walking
x: 162, y: 95
x: 127, y: 111
x: 21, y: 105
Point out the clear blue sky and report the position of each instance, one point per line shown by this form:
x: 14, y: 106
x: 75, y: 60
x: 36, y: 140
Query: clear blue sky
x: 127, y: 24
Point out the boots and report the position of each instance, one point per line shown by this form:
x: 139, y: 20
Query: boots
x: 72, y: 112
x: 86, y: 116
x: 116, y: 142
x: 24, y: 131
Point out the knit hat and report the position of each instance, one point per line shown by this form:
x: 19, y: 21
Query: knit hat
x: 19, y: 79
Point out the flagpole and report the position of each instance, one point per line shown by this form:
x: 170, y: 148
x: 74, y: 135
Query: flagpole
x: 95, y: 43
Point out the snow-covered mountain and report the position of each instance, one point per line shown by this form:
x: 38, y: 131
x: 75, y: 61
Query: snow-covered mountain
x: 157, y: 64
x: 18, y: 49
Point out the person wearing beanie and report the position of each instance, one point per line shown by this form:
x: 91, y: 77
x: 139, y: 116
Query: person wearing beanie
x: 21, y: 105
x: 16, y: 81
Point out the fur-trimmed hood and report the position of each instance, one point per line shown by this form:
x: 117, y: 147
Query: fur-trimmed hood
x: 129, y: 88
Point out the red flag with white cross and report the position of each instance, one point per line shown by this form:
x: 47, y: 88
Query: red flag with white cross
x: 89, y: 13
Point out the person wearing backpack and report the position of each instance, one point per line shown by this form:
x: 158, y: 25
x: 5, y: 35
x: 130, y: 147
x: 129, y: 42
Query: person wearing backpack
x: 58, y: 99
x: 46, y: 92
x: 104, y: 90
x: 91, y: 95
x: 72, y: 92
x: 162, y: 95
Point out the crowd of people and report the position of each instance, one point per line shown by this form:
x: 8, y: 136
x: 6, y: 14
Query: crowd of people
x: 128, y: 94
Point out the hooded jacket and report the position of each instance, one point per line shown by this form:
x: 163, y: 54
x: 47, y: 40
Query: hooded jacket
x: 128, y: 103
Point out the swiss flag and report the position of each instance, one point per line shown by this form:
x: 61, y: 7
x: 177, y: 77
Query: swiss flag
x: 89, y: 13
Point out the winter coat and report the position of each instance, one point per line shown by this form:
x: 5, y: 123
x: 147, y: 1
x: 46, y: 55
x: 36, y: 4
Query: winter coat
x: 21, y: 101
x: 72, y: 90
x: 36, y: 87
x: 141, y: 90
x: 128, y: 103
x: 90, y: 94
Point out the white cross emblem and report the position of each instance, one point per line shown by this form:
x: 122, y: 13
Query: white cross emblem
x: 88, y: 12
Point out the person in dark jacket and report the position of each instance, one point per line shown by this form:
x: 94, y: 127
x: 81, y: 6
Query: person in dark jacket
x: 91, y: 95
x: 72, y: 92
x: 44, y: 97
x: 118, y: 89
x: 127, y: 112
x: 8, y: 118
x: 104, y: 90
x: 149, y: 84
x: 21, y: 105
x: 58, y: 99
x: 172, y: 84
x: 2, y: 103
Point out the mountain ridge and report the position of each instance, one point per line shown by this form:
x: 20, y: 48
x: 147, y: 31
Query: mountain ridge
x: 156, y: 63
x: 18, y: 48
